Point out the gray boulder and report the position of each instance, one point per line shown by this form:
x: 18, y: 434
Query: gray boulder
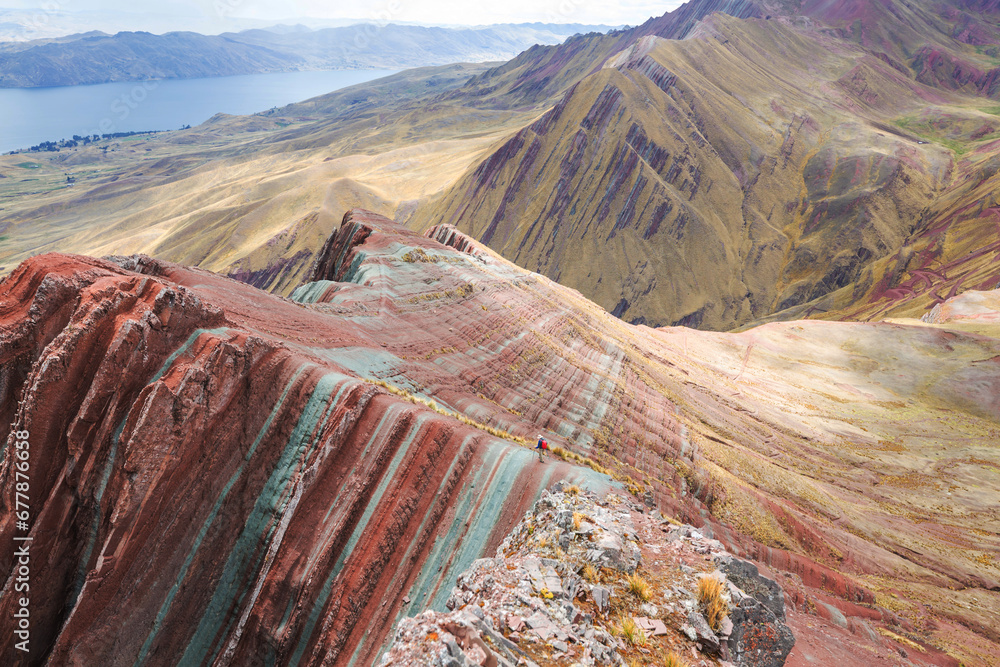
x: 703, y: 631
x: 749, y: 579
x: 758, y: 638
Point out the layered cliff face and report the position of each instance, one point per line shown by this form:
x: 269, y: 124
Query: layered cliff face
x: 758, y: 164
x: 209, y: 484
x: 236, y: 478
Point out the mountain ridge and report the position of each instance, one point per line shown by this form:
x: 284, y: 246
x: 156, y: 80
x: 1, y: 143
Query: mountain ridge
x: 825, y: 154
x: 790, y: 257
x: 303, y: 452
x: 96, y: 57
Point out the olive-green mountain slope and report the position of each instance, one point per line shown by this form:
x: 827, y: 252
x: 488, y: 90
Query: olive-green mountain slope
x: 713, y: 180
x: 773, y: 157
x: 955, y: 248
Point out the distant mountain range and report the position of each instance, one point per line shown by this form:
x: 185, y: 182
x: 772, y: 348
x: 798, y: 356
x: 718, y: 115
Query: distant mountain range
x: 96, y: 57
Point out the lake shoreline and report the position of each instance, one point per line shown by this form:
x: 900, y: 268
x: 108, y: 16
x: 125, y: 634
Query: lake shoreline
x: 195, y: 78
x: 55, y: 114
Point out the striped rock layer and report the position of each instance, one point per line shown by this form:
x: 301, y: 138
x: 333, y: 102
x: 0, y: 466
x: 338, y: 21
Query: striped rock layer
x: 223, y: 476
x: 210, y: 485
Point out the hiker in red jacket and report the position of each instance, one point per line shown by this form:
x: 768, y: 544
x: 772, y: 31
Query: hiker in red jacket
x: 542, y: 447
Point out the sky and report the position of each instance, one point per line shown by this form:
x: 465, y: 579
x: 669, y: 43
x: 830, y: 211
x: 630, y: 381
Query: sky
x: 439, y: 12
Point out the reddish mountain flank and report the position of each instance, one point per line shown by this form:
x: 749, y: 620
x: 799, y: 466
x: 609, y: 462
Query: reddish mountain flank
x: 223, y: 476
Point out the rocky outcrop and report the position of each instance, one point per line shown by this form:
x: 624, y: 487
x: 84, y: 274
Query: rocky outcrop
x: 554, y: 595
x: 759, y: 635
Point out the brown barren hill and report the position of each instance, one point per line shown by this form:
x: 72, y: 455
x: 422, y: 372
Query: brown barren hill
x: 762, y: 162
x: 221, y: 475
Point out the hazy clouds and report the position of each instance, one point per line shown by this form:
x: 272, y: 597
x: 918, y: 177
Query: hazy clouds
x: 469, y: 12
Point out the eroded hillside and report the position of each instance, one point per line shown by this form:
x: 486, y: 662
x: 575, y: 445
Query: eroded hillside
x: 224, y: 474
x: 763, y: 162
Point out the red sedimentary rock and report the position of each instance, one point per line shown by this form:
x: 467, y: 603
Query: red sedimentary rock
x: 209, y: 483
x: 220, y: 475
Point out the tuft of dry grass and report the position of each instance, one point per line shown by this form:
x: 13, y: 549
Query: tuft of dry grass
x: 902, y: 640
x: 715, y: 612
x: 709, y: 588
x: 672, y: 659
x: 402, y: 393
x: 639, y: 587
x: 711, y: 600
x: 671, y: 520
x: 567, y: 455
x: 591, y: 573
x: 572, y: 490
x: 633, y: 487
x: 631, y: 632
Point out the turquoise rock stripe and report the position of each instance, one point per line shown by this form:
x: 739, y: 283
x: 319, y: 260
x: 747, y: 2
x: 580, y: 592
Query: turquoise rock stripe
x: 376, y: 497
x: 387, y: 420
x: 312, y: 292
x: 326, y: 525
x: 344, y: 251
x: 165, y: 607
x: 358, y: 271
x: 368, y: 362
x: 387, y: 476
x: 415, y: 544
x: 429, y: 580
x: 430, y: 590
x: 484, y: 517
x: 245, y: 554
x: 220, y: 331
x: 95, y: 526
